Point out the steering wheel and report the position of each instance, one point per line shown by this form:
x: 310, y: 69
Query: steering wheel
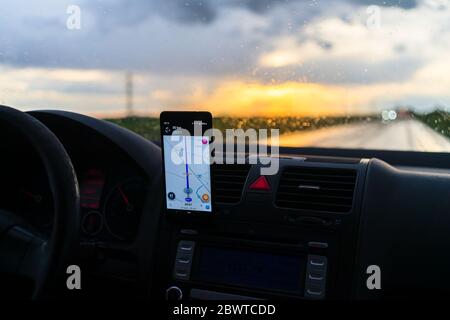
x: 24, y: 252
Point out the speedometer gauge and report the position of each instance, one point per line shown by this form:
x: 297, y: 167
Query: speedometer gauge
x: 123, y: 208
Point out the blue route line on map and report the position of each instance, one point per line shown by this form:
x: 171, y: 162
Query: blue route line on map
x: 187, y: 167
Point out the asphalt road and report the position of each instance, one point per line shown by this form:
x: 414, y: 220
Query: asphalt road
x: 405, y: 135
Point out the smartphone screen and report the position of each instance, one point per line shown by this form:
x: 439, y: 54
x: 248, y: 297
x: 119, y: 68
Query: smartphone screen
x: 186, y: 155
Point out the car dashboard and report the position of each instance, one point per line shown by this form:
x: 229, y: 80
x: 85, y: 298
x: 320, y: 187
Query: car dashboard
x: 327, y: 216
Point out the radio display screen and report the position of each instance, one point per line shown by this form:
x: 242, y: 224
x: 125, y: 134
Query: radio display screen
x: 250, y: 269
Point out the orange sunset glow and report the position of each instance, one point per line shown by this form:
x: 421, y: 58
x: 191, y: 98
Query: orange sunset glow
x: 287, y: 99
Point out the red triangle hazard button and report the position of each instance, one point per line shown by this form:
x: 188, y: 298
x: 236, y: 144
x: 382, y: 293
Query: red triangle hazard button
x: 260, y: 184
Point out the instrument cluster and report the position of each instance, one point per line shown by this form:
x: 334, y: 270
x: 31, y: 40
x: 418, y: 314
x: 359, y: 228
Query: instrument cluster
x: 111, y: 205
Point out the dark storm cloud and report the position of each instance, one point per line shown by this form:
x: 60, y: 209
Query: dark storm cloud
x: 185, y: 11
x: 122, y: 12
x: 405, y: 4
x: 182, y: 41
x: 260, y: 6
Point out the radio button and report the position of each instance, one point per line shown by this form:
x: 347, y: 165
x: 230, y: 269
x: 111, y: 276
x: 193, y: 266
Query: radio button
x: 315, y: 289
x: 316, y: 277
x: 311, y: 293
x: 183, y: 260
x: 182, y: 274
x: 185, y: 247
x: 318, y: 245
x: 317, y: 261
x: 190, y: 232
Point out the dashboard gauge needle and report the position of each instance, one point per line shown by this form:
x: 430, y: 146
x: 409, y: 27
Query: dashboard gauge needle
x: 125, y: 199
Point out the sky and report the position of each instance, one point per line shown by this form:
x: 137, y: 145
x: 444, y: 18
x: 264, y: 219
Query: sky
x: 234, y: 58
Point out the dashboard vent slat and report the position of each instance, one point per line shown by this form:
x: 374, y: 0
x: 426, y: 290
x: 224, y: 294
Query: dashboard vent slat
x: 317, y: 189
x: 229, y: 181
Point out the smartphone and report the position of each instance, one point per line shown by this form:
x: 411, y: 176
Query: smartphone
x: 186, y: 162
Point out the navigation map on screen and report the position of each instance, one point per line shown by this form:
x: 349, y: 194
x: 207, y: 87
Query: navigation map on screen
x: 188, y: 177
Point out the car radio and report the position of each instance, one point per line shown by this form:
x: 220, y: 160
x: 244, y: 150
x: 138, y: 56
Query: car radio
x: 257, y: 248
x: 253, y: 269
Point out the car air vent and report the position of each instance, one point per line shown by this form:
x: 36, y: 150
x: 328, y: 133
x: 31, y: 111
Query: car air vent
x: 316, y: 189
x: 229, y: 180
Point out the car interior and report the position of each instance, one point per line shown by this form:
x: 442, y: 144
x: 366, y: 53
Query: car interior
x: 63, y: 176
x: 249, y: 151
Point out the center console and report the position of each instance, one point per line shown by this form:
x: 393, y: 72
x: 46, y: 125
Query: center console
x: 295, y: 239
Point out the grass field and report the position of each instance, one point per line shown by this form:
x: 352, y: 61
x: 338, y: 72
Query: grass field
x: 438, y: 120
x: 149, y: 127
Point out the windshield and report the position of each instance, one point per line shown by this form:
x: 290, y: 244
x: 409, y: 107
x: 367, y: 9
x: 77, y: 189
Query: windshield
x: 347, y: 73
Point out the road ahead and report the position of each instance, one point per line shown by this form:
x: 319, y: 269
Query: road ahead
x: 406, y: 135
